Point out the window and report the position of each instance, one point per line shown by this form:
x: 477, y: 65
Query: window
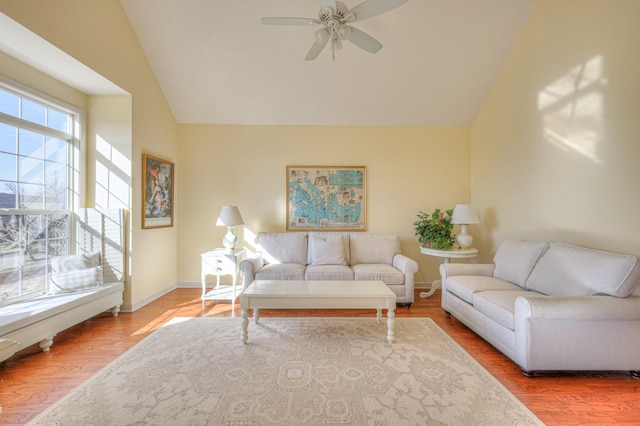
x: 36, y: 140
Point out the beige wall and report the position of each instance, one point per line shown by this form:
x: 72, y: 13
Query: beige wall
x: 408, y: 169
x: 555, y: 147
x: 552, y: 154
x: 108, y: 175
x: 18, y: 72
x: 98, y: 34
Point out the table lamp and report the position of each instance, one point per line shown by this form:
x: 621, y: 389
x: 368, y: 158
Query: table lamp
x: 463, y: 215
x: 230, y: 217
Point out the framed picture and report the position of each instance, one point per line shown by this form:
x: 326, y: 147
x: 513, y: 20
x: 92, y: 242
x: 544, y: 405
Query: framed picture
x: 326, y: 198
x: 157, y: 192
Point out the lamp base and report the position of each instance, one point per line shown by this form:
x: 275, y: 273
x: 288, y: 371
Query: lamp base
x: 463, y: 239
x: 230, y: 240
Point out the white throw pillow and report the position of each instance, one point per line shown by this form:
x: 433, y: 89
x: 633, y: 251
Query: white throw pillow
x: 75, y: 272
x: 327, y: 251
x: 74, y: 262
x: 81, y: 279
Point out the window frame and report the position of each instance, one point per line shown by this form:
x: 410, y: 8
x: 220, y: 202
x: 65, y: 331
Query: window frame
x: 72, y: 185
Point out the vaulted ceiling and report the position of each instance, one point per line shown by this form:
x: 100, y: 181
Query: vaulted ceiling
x: 217, y: 64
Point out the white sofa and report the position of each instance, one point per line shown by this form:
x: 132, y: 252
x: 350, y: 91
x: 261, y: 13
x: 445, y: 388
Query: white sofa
x: 332, y: 256
x: 551, y: 306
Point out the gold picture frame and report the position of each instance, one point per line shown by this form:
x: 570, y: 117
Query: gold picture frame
x: 157, y: 192
x: 326, y: 198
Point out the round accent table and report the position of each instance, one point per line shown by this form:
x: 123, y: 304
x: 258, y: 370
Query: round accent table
x: 454, y: 253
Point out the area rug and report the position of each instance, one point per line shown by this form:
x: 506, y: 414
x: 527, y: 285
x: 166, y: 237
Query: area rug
x: 293, y: 371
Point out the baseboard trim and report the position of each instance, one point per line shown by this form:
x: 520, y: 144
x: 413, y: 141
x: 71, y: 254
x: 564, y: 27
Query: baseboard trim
x: 422, y: 285
x: 210, y: 284
x: 192, y: 284
x: 145, y: 301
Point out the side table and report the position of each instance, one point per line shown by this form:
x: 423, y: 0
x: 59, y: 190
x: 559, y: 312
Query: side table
x: 454, y: 253
x: 221, y: 262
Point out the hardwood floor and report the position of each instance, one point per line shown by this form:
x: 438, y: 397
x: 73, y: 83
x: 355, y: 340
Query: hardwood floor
x: 32, y: 380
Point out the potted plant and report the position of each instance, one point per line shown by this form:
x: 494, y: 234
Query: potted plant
x: 434, y: 230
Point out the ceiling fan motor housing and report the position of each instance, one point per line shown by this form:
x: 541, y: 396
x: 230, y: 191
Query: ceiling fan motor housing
x: 335, y: 21
x: 327, y: 13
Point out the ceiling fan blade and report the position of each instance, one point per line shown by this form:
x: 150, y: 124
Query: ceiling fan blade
x: 290, y: 21
x: 371, y: 8
x: 364, y: 41
x: 315, y: 51
x: 322, y: 37
x: 329, y: 3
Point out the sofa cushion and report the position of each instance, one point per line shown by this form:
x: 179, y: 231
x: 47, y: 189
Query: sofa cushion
x: 577, y: 271
x: 283, y: 247
x: 373, y: 248
x: 326, y: 250
x: 325, y: 235
x: 378, y: 272
x: 328, y: 273
x: 281, y: 271
x: 515, y: 260
x: 465, y: 286
x: 499, y: 305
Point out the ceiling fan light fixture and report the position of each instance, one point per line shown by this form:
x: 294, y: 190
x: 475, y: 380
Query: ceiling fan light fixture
x: 322, y: 35
x: 344, y: 32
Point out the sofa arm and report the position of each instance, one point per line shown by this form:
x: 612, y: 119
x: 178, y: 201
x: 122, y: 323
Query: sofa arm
x: 249, y: 266
x: 577, y: 333
x: 408, y: 267
x: 451, y: 269
x: 578, y: 308
x: 405, y: 264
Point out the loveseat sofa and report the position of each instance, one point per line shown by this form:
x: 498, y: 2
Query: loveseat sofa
x: 551, y: 306
x: 332, y: 256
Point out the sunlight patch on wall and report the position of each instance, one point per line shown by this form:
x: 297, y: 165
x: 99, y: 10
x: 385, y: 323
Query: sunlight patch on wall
x: 113, y: 177
x: 249, y: 239
x: 572, y: 108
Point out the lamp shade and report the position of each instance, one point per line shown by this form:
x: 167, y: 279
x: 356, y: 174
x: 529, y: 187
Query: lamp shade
x: 464, y: 214
x: 229, y: 216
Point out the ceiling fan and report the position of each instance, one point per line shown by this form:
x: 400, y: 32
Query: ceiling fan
x: 334, y: 18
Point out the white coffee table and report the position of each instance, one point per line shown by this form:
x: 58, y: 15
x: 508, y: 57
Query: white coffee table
x: 272, y: 294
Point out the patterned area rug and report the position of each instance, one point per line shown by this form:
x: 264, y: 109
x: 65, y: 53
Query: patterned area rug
x: 293, y: 371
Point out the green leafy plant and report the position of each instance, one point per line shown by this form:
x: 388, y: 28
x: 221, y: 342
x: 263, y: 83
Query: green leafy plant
x: 434, y: 230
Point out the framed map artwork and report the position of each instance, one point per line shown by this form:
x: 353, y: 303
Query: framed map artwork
x: 326, y: 198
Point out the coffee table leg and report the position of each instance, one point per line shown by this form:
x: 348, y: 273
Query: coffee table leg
x: 391, y: 314
x: 245, y: 325
x: 378, y: 315
x: 256, y: 315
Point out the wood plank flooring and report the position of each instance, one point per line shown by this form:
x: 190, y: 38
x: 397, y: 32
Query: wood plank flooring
x: 32, y: 380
